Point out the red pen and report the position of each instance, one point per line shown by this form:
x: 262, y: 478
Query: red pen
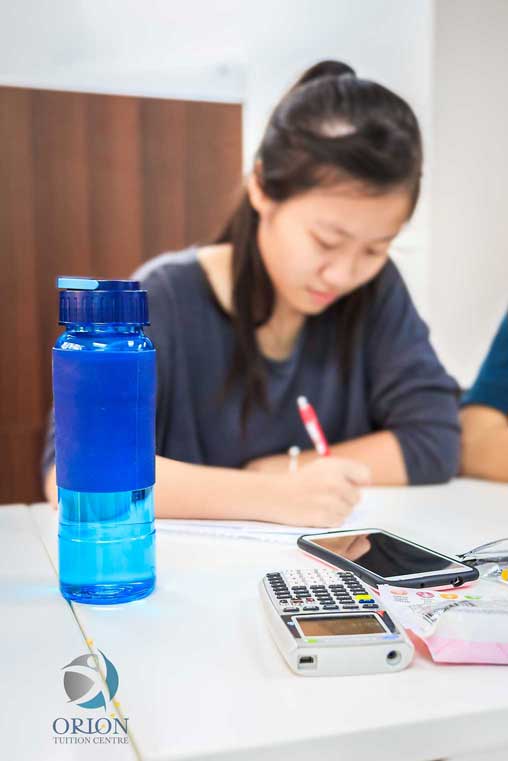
x: 313, y: 426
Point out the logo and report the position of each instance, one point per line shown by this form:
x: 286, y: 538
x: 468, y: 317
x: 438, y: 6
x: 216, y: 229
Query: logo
x: 91, y: 682
x: 83, y: 681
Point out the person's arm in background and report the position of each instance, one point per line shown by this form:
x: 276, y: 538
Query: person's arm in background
x: 484, y: 415
x: 412, y: 400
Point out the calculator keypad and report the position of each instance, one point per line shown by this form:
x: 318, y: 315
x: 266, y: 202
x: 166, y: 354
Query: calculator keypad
x: 318, y: 590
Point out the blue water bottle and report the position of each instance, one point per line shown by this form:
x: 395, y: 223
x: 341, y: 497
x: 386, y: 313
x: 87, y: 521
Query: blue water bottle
x: 104, y: 396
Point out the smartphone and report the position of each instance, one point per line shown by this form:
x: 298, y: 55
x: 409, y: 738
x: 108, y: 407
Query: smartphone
x: 379, y: 557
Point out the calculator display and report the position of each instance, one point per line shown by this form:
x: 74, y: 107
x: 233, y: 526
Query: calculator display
x: 340, y: 625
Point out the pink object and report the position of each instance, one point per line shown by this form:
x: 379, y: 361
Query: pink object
x: 446, y: 650
x: 313, y: 426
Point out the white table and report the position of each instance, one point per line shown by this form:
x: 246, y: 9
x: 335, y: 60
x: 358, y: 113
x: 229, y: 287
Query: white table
x: 201, y: 678
x: 39, y: 635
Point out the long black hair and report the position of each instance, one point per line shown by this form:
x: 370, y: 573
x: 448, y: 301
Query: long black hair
x: 330, y: 127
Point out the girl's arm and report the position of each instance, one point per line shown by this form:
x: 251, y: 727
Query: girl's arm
x: 411, y: 397
x: 380, y: 452
x: 484, y: 443
x: 321, y: 494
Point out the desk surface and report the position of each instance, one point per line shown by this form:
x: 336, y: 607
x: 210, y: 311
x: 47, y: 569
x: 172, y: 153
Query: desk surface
x: 200, y: 675
x: 39, y: 636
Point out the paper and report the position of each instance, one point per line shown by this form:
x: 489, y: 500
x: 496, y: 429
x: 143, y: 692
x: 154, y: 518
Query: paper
x: 254, y: 530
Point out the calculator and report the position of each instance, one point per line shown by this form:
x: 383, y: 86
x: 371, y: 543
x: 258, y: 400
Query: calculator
x: 327, y: 623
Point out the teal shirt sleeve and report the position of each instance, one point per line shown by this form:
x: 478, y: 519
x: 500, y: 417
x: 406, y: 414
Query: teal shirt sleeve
x: 491, y: 386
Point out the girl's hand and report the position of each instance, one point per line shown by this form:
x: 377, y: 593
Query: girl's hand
x: 277, y: 463
x: 322, y: 493
x: 50, y: 488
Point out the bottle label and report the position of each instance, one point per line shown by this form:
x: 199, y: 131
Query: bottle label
x: 104, y: 420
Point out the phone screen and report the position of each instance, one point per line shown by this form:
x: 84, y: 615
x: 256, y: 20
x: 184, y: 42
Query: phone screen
x: 386, y: 555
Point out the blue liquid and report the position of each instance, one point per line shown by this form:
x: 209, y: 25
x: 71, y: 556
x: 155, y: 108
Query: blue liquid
x: 106, y: 546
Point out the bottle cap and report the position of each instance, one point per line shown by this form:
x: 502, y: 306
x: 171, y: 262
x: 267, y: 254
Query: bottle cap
x: 84, y: 299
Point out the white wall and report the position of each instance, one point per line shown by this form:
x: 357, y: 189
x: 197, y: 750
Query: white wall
x: 156, y: 47
x: 469, y: 252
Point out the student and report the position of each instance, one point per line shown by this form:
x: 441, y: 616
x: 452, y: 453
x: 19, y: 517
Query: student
x: 484, y: 415
x: 298, y: 296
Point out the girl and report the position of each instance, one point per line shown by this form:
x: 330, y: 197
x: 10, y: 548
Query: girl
x: 298, y: 296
